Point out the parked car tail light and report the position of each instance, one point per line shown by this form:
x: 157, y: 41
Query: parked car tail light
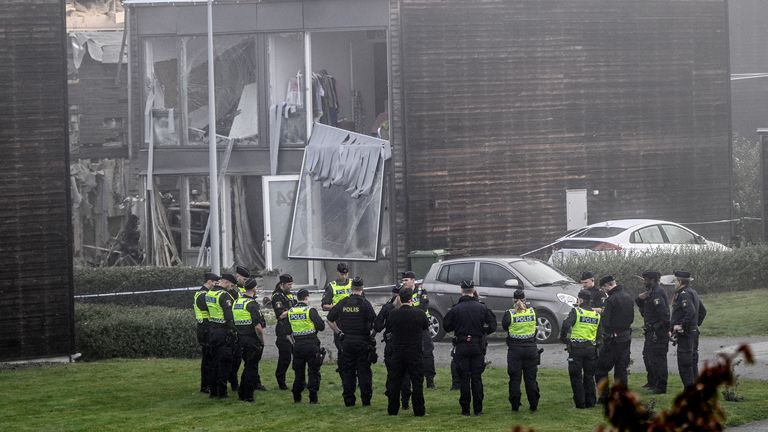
x: 604, y: 246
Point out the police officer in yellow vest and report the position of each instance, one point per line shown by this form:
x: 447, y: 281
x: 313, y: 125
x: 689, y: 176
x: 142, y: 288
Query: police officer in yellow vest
x: 241, y: 276
x: 229, y: 282
x: 334, y: 292
x: 305, y: 322
x: 201, y: 315
x: 580, y: 333
x: 250, y: 336
x: 421, y: 301
x: 221, y: 337
x: 282, y: 300
x: 522, y: 352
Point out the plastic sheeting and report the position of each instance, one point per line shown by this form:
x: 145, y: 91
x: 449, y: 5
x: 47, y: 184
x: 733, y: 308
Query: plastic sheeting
x: 338, y: 207
x: 103, y: 47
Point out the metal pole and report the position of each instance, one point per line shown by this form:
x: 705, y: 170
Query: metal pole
x: 212, y: 164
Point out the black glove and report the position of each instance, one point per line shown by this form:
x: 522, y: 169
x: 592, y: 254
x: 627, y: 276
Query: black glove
x: 373, y: 356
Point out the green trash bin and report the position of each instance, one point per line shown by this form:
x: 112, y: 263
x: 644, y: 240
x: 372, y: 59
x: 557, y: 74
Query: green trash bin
x: 422, y: 260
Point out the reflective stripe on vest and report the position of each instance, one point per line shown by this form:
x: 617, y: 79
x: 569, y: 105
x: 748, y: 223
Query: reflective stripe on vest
x: 585, y: 329
x: 240, y: 311
x: 215, y: 311
x: 200, y: 314
x: 417, y: 299
x: 301, y: 324
x: 340, y: 292
x: 522, y: 324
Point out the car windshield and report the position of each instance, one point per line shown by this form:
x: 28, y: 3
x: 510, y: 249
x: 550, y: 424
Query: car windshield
x: 539, y: 273
x: 601, y: 232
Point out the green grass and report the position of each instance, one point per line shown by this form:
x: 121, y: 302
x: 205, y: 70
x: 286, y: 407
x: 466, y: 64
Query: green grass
x: 162, y: 394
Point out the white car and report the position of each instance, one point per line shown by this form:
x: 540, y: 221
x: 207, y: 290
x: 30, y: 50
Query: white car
x: 640, y: 235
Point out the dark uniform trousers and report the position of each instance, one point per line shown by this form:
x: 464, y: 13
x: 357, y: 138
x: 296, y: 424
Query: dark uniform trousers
x: 405, y: 387
x: 688, y: 357
x: 613, y: 355
x: 251, y: 349
x: 237, y: 357
x: 522, y: 362
x: 221, y: 343
x: 406, y: 363
x: 655, y: 348
x: 469, y: 362
x: 356, y: 368
x: 206, y: 362
x: 284, y: 350
x: 428, y: 347
x: 306, y: 361
x: 582, y: 363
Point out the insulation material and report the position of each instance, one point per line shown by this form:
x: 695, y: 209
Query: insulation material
x: 103, y: 47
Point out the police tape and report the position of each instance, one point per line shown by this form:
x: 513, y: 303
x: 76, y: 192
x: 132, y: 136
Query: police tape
x: 195, y: 288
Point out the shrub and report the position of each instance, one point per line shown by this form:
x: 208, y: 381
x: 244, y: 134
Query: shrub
x: 109, y: 331
x: 713, y: 271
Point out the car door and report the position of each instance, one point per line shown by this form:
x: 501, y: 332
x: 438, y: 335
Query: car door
x: 679, y: 237
x: 648, y: 238
x: 448, y: 282
x: 490, y: 287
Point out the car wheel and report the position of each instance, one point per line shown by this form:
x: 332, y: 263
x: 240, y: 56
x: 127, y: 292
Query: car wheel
x: 436, y: 326
x: 547, y: 330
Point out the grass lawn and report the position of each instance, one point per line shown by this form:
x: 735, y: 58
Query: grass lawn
x: 163, y: 394
x: 726, y: 313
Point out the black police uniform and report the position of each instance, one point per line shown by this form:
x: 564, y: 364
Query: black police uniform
x: 328, y: 300
x: 251, y: 348
x: 382, y: 323
x: 470, y: 321
x: 687, y: 311
x: 582, y: 361
x: 307, y: 358
x: 597, y: 297
x: 221, y: 341
x: 406, y: 325
x: 522, y: 363
x: 655, y: 311
x: 237, y: 355
x: 616, y: 320
x: 206, y: 361
x: 354, y: 316
x: 428, y: 366
x: 281, y: 302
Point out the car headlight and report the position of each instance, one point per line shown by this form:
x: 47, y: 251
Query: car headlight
x: 567, y: 299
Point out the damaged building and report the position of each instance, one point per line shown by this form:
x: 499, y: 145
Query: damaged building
x: 499, y: 118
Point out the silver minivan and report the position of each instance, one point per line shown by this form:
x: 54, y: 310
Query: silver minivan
x: 551, y: 292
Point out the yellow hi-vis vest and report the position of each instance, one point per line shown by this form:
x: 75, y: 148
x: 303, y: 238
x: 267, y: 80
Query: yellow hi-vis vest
x: 522, y: 324
x: 340, y: 292
x: 215, y: 311
x: 301, y: 324
x: 240, y: 311
x: 417, y: 293
x: 200, y: 314
x: 585, y: 329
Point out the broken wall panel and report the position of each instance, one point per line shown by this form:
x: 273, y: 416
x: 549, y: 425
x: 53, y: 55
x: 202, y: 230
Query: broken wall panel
x: 507, y: 104
x: 36, y: 314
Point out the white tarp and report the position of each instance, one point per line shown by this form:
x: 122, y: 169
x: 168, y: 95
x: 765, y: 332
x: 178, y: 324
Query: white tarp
x: 103, y: 47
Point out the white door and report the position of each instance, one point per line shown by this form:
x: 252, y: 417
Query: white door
x: 576, y: 208
x: 279, y: 194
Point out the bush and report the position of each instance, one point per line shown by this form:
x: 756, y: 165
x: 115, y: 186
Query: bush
x: 100, y: 280
x: 109, y: 331
x: 713, y: 271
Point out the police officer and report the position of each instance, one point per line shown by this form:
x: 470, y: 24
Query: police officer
x: 250, y: 335
x: 221, y: 337
x: 201, y: 314
x: 282, y: 301
x: 334, y: 292
x: 580, y: 333
x: 421, y: 301
x: 352, y: 319
x: 241, y: 276
x: 406, y: 325
x: 305, y: 322
x: 655, y: 312
x: 597, y: 296
x: 229, y: 283
x: 522, y: 352
x: 688, y: 313
x: 382, y: 323
x: 617, y: 318
x: 470, y: 321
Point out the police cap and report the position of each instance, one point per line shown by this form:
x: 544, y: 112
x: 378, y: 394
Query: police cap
x: 302, y: 294
x: 229, y: 277
x: 357, y: 282
x: 587, y: 275
x: 605, y: 279
x: 408, y: 274
x: 342, y: 268
x: 681, y: 274
x: 585, y: 295
x: 651, y: 274
x: 286, y: 278
x: 211, y: 277
x: 250, y: 284
x: 242, y: 271
x: 467, y: 284
x: 518, y: 294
